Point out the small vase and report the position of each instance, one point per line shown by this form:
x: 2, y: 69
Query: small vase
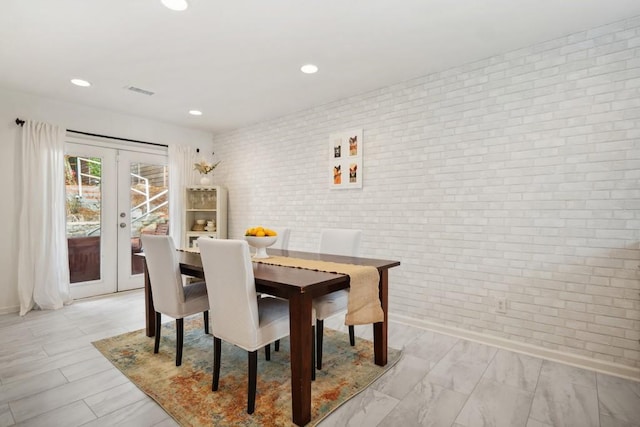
x: 204, y: 180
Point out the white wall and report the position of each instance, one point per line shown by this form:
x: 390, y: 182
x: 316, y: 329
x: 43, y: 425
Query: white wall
x: 517, y: 176
x: 92, y: 120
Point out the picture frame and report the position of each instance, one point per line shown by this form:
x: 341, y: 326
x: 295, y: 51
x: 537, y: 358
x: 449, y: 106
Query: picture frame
x: 345, y: 160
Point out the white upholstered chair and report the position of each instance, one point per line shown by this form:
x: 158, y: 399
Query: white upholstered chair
x: 336, y: 242
x: 170, y: 296
x: 238, y: 316
x: 283, y: 238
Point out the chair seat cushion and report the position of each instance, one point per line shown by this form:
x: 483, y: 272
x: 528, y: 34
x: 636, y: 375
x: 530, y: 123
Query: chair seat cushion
x: 195, y: 298
x: 331, y: 304
x: 195, y: 290
x: 273, y: 323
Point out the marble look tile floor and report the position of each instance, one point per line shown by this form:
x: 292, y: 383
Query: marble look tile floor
x: 51, y: 375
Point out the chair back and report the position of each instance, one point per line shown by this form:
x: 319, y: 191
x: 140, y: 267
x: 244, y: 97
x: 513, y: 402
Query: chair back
x: 336, y: 241
x: 283, y: 238
x: 232, y: 290
x: 164, y: 272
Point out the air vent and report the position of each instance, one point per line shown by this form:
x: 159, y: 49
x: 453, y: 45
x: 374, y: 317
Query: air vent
x: 138, y: 90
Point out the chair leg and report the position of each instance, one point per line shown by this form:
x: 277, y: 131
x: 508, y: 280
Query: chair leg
x: 352, y: 335
x: 277, y: 345
x: 253, y: 373
x: 319, y: 332
x: 156, y: 345
x: 179, y: 340
x: 313, y: 353
x: 206, y: 321
x: 217, y: 349
x: 267, y: 352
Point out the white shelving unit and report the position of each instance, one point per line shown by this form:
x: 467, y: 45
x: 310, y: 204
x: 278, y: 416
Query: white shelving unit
x: 206, y: 203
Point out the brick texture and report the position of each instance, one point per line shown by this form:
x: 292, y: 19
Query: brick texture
x: 516, y: 176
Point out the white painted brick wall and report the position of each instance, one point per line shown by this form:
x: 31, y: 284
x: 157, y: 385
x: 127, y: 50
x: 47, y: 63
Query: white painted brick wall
x: 517, y: 176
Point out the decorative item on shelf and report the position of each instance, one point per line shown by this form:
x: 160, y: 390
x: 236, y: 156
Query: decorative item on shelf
x: 260, y: 238
x: 205, y: 167
x: 211, y: 225
x: 199, y: 225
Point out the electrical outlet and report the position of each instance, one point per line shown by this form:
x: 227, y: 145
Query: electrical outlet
x: 501, y: 305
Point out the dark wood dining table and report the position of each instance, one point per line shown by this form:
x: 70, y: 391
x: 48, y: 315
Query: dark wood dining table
x: 299, y: 287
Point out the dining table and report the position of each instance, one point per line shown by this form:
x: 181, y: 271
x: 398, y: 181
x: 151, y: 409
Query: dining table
x: 299, y: 286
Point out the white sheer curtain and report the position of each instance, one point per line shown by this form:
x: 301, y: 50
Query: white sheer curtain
x: 181, y: 174
x: 43, y: 265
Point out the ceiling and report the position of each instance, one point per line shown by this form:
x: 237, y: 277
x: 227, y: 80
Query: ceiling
x: 239, y: 61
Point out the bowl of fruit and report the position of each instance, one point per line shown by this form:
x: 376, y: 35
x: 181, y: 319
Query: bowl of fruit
x: 260, y: 238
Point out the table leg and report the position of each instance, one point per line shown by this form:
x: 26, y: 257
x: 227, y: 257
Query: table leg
x: 301, y: 341
x: 149, y: 310
x: 380, y: 328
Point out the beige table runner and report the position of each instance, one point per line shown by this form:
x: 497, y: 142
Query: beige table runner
x: 192, y: 250
x: 364, y: 302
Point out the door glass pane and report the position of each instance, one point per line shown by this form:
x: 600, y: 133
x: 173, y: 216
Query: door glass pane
x: 84, y: 197
x: 149, y: 206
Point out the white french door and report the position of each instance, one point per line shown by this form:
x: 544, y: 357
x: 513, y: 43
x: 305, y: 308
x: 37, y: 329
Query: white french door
x: 113, y: 195
x: 143, y: 207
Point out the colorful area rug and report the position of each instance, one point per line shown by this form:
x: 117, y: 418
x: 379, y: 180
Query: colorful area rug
x: 184, y: 392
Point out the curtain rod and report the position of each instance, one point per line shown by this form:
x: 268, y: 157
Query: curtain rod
x: 20, y: 122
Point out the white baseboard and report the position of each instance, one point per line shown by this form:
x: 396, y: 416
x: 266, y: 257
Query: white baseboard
x: 10, y: 309
x: 605, y: 367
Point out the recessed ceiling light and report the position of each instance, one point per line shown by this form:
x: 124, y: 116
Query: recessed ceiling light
x: 176, y: 4
x: 80, y: 82
x: 309, y: 69
x: 195, y: 112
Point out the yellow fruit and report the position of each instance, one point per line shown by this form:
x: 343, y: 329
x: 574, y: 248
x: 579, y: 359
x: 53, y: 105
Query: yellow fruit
x: 260, y: 232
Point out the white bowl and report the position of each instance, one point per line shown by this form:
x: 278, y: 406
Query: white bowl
x: 201, y: 221
x: 261, y: 244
